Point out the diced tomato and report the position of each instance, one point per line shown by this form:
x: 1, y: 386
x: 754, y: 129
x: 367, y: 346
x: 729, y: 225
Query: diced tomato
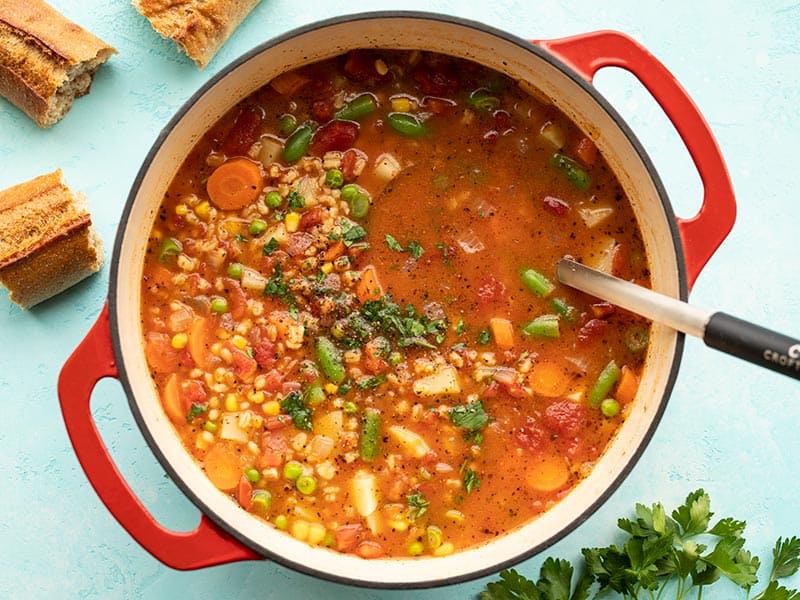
x: 593, y: 329
x: 564, y: 417
x: 298, y: 243
x: 360, y: 65
x: 160, y: 354
x: 334, y: 135
x: 348, y: 536
x: 491, y: 290
x: 586, y: 151
x: 502, y: 121
x: 193, y: 392
x: 530, y: 436
x: 244, y: 367
x: 437, y: 80
x: 245, y: 493
x: 322, y: 110
x: 273, y: 381
x: 370, y: 549
x: 312, y: 217
x: 557, y: 206
x: 264, y: 353
x: 237, y: 298
x: 277, y: 422
x: 602, y: 310
x: 491, y: 391
x: 438, y: 106
x: 273, y: 450
x: 245, y: 131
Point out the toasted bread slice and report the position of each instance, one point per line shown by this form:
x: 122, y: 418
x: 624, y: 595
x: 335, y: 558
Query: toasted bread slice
x: 198, y: 27
x: 46, y: 60
x: 47, y: 242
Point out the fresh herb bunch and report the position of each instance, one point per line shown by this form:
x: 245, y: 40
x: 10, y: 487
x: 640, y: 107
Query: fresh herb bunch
x: 661, y: 553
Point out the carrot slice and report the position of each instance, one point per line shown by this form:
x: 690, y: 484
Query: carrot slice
x: 223, y: 468
x: 502, y: 332
x: 235, y: 184
x: 547, y: 473
x: 245, y: 493
x: 548, y: 378
x: 171, y: 399
x: 335, y: 251
x: 369, y: 286
x: 197, y: 341
x: 627, y: 386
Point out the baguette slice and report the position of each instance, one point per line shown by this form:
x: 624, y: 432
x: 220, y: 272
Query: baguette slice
x: 46, y: 60
x: 47, y: 242
x: 198, y: 27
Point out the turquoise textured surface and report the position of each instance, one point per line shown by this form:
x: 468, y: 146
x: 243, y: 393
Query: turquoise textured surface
x: 730, y: 427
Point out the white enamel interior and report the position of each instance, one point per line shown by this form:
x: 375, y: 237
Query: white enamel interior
x: 500, y: 52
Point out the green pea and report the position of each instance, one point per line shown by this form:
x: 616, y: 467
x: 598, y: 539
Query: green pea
x: 274, y: 199
x: 306, y: 484
x: 288, y: 124
x: 235, y: 270
x: 609, y: 407
x: 350, y: 407
x: 349, y: 191
x: 210, y: 427
x: 359, y: 206
x: 292, y: 470
x: 406, y: 124
x: 297, y: 144
x: 257, y: 227
x: 416, y: 548
x: 262, y: 500
x: 334, y: 179
x: 281, y: 522
x: 252, y: 474
x: 219, y: 305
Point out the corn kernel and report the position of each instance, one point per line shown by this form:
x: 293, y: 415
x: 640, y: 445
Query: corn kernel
x: 456, y: 516
x: 256, y: 397
x: 326, y: 267
x: 316, y: 533
x: 444, y: 550
x: 181, y: 210
x: 231, y: 403
x: 203, y: 210
x: 239, y: 342
x: 381, y: 67
x: 253, y: 448
x: 272, y: 408
x: 401, y: 104
x: 300, y: 530
x: 157, y: 235
x: 179, y: 341
x: 292, y: 221
x: 331, y: 388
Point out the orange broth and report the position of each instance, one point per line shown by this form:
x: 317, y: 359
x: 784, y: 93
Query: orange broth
x: 350, y: 346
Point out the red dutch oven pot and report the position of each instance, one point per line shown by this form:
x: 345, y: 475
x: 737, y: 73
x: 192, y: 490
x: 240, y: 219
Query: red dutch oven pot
x: 562, y: 70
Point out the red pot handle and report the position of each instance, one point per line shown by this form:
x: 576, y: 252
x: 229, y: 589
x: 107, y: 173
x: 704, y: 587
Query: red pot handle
x: 91, y: 361
x: 701, y: 234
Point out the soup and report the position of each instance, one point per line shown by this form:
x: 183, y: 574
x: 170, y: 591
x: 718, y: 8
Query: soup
x: 350, y: 312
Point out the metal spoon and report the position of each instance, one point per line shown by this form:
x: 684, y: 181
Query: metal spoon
x: 718, y: 330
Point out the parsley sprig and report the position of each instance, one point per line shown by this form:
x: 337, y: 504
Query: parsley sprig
x: 680, y: 553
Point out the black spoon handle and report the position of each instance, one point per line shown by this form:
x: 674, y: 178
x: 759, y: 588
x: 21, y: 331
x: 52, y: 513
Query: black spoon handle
x: 753, y: 343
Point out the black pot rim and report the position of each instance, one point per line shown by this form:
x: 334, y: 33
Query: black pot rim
x: 117, y: 269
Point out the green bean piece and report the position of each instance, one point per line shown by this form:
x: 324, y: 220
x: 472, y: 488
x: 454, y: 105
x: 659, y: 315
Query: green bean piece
x: 359, y: 206
x: 274, y: 199
x: 537, y: 283
x: 235, y: 270
x: 481, y: 99
x: 330, y: 359
x: 262, y: 500
x: 358, y: 107
x: 576, y: 174
x: 306, y: 484
x: 636, y: 338
x: 567, y: 311
x: 315, y: 394
x: 406, y: 124
x: 297, y: 144
x: 543, y: 326
x: 169, y: 247
x: 370, y: 434
x: 605, y: 381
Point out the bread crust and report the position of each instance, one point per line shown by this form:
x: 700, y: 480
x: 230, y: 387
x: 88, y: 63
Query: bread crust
x: 47, y: 242
x: 198, y: 27
x: 46, y: 60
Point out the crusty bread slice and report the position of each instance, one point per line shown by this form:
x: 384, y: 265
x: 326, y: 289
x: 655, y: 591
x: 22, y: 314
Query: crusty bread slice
x: 199, y: 27
x: 46, y: 60
x: 47, y: 242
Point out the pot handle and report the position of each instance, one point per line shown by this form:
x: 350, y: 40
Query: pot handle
x: 91, y: 361
x: 701, y: 234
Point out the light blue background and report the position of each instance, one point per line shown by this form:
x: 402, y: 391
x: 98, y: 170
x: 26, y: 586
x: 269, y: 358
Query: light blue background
x: 730, y: 427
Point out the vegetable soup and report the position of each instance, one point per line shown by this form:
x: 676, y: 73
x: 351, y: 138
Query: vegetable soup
x: 350, y: 311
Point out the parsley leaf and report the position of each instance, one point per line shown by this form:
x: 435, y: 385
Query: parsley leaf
x: 294, y: 406
x: 471, y: 481
x: 471, y: 416
x: 240, y: 238
x: 294, y: 200
x: 393, y: 244
x: 270, y: 246
x: 484, y: 337
x: 195, y: 411
x: 415, y: 248
x: 407, y: 326
x: 367, y: 383
x: 351, y: 232
x: 417, y: 505
x: 785, y: 558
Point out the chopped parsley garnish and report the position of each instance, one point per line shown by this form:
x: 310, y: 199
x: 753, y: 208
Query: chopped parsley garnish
x: 471, y: 416
x: 294, y: 406
x: 417, y: 505
x: 294, y: 200
x: 276, y: 286
x: 471, y: 481
x: 270, y: 246
x: 407, y: 326
x: 392, y: 242
x: 352, y: 232
x: 460, y: 326
x: 484, y: 337
x: 241, y: 238
x: 415, y: 248
x: 195, y: 411
x: 367, y: 383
